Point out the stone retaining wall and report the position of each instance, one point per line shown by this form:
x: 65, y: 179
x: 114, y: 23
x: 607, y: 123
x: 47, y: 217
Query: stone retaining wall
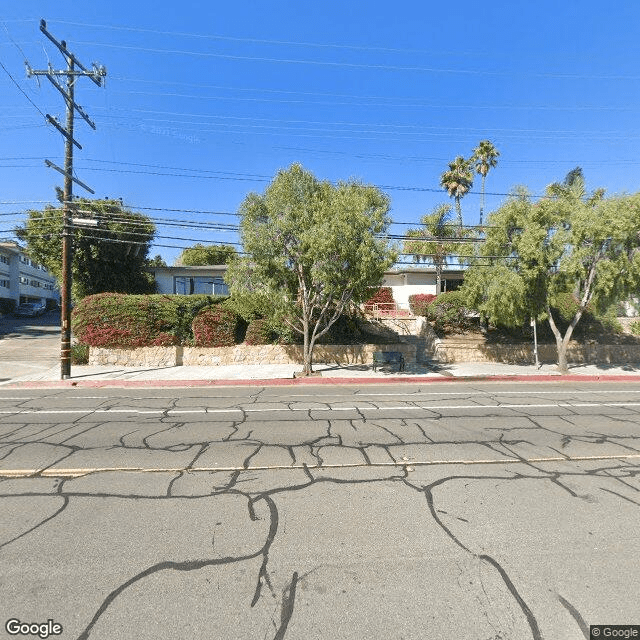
x: 243, y: 354
x: 460, y: 351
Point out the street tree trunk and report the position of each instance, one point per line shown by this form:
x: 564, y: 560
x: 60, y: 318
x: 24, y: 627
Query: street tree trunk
x: 307, y: 350
x: 562, y: 342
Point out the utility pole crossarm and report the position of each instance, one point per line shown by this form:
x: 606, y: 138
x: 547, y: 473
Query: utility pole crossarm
x: 98, y: 72
x: 51, y: 165
x: 64, y: 132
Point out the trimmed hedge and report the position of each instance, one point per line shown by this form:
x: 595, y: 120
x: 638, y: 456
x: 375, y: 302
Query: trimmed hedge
x: 419, y: 302
x: 383, y: 295
x: 118, y: 320
x: 215, y: 327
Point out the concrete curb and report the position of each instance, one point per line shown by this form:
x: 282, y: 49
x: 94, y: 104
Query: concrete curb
x: 275, y: 382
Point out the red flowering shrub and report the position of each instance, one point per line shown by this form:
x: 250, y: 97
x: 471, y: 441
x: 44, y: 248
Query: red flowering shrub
x: 383, y: 296
x: 215, y: 327
x: 419, y: 302
x: 116, y: 320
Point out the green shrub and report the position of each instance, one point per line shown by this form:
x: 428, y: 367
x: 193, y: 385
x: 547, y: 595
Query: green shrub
x: 419, y: 302
x: 7, y: 305
x: 79, y: 353
x: 216, y: 326
x: 344, y: 330
x: 635, y: 327
x: 260, y: 332
x: 449, y: 312
x: 119, y: 320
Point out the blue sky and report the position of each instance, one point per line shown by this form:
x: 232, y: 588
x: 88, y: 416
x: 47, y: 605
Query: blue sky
x: 204, y: 102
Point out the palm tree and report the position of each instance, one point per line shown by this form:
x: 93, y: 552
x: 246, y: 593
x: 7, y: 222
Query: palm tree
x: 434, y: 240
x: 485, y: 157
x: 457, y: 181
x: 574, y: 187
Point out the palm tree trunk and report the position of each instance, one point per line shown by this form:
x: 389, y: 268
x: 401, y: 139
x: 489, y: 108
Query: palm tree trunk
x: 459, y: 211
x: 482, y: 199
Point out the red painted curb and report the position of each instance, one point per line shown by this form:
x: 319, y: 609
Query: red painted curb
x: 275, y: 382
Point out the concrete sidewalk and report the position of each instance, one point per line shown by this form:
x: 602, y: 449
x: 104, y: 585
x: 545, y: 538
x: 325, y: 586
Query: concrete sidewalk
x: 284, y: 374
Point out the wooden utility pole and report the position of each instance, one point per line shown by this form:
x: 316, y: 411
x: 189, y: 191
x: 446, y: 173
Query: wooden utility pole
x: 96, y: 74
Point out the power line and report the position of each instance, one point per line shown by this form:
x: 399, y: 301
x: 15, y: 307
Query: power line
x: 261, y: 40
x: 354, y: 65
x: 22, y: 90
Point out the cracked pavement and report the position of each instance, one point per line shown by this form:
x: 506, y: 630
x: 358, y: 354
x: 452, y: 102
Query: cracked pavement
x: 484, y: 511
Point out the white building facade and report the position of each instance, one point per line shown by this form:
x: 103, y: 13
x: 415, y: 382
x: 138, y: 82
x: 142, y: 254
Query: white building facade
x: 191, y: 280
x: 23, y: 279
x: 210, y: 280
x: 413, y: 280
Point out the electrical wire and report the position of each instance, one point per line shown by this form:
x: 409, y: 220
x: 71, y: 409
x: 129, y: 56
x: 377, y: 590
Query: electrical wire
x: 22, y: 91
x: 354, y: 65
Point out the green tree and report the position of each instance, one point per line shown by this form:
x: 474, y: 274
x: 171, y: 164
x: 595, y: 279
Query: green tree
x: 313, y: 248
x: 434, y: 241
x: 156, y: 261
x: 211, y: 254
x: 484, y: 158
x: 457, y: 180
x: 111, y: 256
x: 564, y: 245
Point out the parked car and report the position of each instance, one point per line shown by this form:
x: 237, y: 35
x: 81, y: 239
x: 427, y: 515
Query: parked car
x: 30, y: 309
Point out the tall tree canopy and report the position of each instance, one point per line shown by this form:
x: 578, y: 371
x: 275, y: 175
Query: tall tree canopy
x: 565, y: 244
x: 485, y: 157
x: 457, y: 180
x: 312, y: 249
x: 111, y: 256
x: 210, y: 254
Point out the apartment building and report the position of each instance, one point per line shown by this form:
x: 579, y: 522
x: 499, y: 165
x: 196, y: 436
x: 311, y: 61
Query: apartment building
x: 23, y: 279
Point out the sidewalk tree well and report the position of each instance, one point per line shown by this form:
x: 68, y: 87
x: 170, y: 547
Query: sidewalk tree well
x: 312, y: 249
x: 568, y: 243
x: 111, y: 256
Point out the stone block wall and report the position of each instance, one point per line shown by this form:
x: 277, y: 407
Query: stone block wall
x: 460, y: 351
x: 140, y: 357
x: 243, y: 354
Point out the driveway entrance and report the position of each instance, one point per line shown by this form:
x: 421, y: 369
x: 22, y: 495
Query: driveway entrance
x: 28, y: 345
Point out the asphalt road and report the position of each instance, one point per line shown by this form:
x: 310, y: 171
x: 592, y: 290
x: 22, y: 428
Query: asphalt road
x: 28, y: 345
x: 481, y: 511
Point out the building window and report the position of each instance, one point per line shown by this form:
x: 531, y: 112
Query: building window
x: 209, y: 285
x: 24, y: 280
x: 4, y: 259
x: 5, y: 283
x: 450, y: 284
x: 35, y: 283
